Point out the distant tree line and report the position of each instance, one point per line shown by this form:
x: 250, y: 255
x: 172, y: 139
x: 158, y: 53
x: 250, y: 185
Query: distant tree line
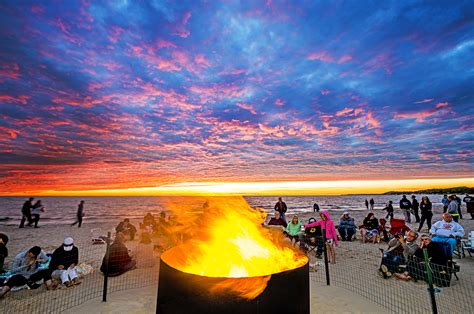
x: 454, y: 190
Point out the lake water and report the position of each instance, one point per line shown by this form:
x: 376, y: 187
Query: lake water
x: 62, y: 210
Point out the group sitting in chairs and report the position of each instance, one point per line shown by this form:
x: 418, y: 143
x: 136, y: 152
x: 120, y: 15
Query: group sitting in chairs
x: 406, y: 259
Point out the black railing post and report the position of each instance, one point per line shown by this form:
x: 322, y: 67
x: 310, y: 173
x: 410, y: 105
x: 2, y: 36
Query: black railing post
x: 429, y: 277
x: 106, y: 270
x: 326, y: 264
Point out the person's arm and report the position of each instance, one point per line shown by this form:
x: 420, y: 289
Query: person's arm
x: 409, y: 250
x: 434, y: 228
x: 313, y: 224
x: 75, y: 260
x: 459, y: 231
x: 18, y: 267
x: 42, y: 257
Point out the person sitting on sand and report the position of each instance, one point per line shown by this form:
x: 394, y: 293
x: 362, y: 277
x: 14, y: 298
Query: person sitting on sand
x: 63, y: 263
x: 143, y: 252
x: 26, y: 270
x: 149, y: 223
x: 3, y: 250
x: 330, y: 232
x: 119, y: 261
x: 293, y: 231
x: 347, y: 227
x: 399, y: 250
x: 370, y: 226
x: 127, y: 229
x: 446, y: 231
x: 277, y: 221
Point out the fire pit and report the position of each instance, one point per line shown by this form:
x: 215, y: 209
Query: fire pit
x: 230, y: 263
x: 180, y: 292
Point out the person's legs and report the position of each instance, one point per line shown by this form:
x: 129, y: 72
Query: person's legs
x: 44, y: 274
x: 30, y: 219
x: 36, y: 219
x: 363, y: 232
x: 342, y: 232
x: 428, y: 220
x: 350, y: 233
x: 14, y: 281
x: 79, y: 219
x: 22, y: 222
x: 282, y: 215
x: 422, y: 221
x: 407, y: 215
x: 451, y: 241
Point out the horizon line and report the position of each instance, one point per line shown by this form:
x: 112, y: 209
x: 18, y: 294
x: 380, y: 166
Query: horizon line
x: 269, y: 188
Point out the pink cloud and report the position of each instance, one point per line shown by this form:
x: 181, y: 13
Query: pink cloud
x: 161, y: 43
x: 372, y: 121
x: 421, y: 116
x: 84, y: 102
x: 114, y: 33
x: 201, y: 60
x: 424, y: 101
x: 180, y: 28
x: 279, y: 102
x: 246, y: 107
x: 325, y: 92
x: 321, y: 56
x: 9, y: 71
x: 12, y: 133
x: 22, y: 99
x: 344, y: 112
x: 37, y: 9
x: 215, y: 93
x: 344, y: 59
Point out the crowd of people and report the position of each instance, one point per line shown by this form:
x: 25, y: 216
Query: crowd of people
x: 401, y: 239
x: 34, y: 267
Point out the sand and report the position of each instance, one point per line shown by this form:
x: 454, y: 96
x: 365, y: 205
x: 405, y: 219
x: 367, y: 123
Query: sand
x: 324, y: 299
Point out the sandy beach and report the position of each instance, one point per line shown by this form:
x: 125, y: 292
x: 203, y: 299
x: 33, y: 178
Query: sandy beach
x: 324, y: 299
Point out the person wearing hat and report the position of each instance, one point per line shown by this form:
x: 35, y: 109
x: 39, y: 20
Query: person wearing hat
x: 63, y: 263
x: 347, y: 227
x: 27, y: 270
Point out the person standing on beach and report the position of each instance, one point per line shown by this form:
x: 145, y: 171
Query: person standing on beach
x: 367, y: 204
x: 80, y: 214
x: 280, y: 207
x: 405, y: 206
x: 415, y: 206
x: 469, y: 200
x: 426, y: 212
x: 453, y: 208
x: 389, y: 209
x: 372, y: 203
x: 459, y: 202
x: 445, y: 202
x: 315, y: 208
x: 26, y: 212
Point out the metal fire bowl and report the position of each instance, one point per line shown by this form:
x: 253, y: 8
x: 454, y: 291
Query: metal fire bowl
x: 179, y: 292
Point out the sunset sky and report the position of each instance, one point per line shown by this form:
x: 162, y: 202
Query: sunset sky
x: 308, y: 97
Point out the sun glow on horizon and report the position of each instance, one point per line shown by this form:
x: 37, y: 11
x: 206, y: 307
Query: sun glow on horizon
x: 265, y: 188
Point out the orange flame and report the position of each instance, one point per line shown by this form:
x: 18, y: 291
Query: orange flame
x: 227, y: 240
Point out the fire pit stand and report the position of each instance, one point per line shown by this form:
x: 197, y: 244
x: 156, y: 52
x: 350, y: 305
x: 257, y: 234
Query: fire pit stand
x: 179, y: 292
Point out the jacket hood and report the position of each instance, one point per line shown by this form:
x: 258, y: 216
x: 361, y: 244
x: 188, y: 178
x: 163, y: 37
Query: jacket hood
x: 326, y: 214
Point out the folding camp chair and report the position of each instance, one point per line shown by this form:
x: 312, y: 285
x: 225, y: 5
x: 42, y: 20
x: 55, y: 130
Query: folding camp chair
x: 398, y: 226
x: 314, y: 239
